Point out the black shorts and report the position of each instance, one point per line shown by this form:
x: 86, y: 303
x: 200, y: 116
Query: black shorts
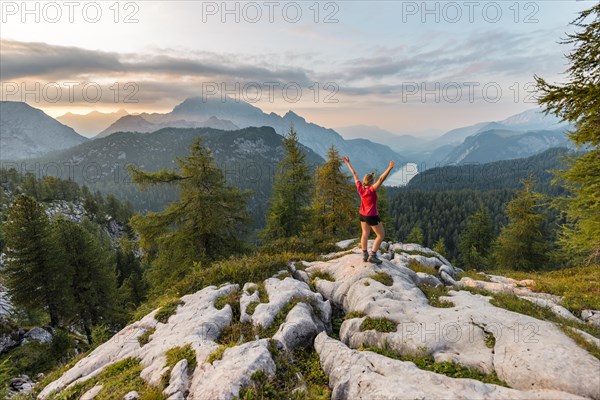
x: 372, y: 220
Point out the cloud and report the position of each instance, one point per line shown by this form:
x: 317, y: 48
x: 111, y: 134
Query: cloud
x: 22, y: 60
x: 171, y: 74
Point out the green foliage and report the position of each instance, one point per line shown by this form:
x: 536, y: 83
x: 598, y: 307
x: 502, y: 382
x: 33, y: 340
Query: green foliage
x: 523, y: 243
x: 296, y: 244
x: 383, y: 277
x: 333, y: 208
x: 289, y: 208
x: 218, y: 354
x: 252, y: 307
x: 233, y: 299
x: 49, y: 188
x: 440, y: 247
x: 579, y: 339
x: 34, y: 274
x: 177, y: 354
x: 117, y: 380
x: 510, y: 302
x: 298, y: 376
x: 130, y: 279
x: 144, y: 338
x: 444, y: 213
x: 576, y: 101
x: 34, y: 357
x: 378, y: 324
x: 448, y: 368
x: 86, y: 252
x: 320, y: 274
x: 433, y: 295
x: 100, y: 334
x: 497, y: 176
x: 418, y: 267
x: 474, y: 275
x: 267, y: 332
x: 579, y: 286
x: 165, y: 312
x: 354, y: 314
x: 6, y: 372
x: 476, y: 239
x: 203, y: 225
x: 415, y: 235
x: 237, y: 269
x: 384, y: 209
x: 237, y: 333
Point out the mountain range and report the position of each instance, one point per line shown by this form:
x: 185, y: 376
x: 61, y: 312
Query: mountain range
x: 137, y: 123
x: 520, y: 135
x: 232, y: 114
x: 502, y: 144
x: 29, y: 132
x: 248, y: 158
x: 92, y: 123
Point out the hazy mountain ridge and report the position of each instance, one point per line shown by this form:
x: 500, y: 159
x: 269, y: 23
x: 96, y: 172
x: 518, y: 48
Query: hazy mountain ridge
x: 137, y: 123
x: 248, y: 158
x: 500, y: 144
x: 365, y: 154
x: 26, y: 132
x: 92, y: 123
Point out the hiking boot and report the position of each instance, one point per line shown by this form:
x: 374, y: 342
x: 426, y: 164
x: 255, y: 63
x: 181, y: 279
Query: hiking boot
x: 365, y: 256
x: 373, y: 259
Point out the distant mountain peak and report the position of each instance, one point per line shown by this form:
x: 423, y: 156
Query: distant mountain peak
x: 290, y: 115
x: 26, y: 131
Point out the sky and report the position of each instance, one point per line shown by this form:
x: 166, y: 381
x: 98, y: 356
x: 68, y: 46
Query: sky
x: 406, y: 66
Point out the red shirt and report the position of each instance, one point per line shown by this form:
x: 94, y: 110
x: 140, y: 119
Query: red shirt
x: 368, y: 200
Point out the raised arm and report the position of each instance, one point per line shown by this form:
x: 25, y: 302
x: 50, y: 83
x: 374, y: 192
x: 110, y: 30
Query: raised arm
x: 383, y: 176
x: 347, y: 161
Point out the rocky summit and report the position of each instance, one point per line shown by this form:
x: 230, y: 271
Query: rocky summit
x: 369, y: 324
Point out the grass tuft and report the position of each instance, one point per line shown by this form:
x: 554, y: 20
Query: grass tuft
x: 448, y: 368
x: 144, y: 338
x: 251, y: 307
x: 298, y: 376
x: 166, y: 311
x: 326, y: 276
x: 378, y: 324
x: 433, y: 296
x: 383, y: 277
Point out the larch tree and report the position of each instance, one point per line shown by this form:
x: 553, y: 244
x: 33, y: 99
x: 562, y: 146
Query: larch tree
x: 289, y: 209
x: 334, y: 200
x: 204, y: 224
x: 578, y: 102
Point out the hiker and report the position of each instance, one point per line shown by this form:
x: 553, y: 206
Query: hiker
x: 368, y: 214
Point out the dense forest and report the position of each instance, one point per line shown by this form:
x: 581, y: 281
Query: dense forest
x: 440, y: 201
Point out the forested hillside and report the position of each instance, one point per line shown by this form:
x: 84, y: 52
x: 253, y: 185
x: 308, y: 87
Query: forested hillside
x: 440, y: 200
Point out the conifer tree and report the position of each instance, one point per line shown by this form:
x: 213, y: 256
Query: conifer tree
x: 289, y: 210
x: 415, y: 235
x: 383, y: 207
x: 475, y: 241
x: 206, y: 223
x: 522, y: 244
x: 578, y: 102
x: 334, y: 200
x: 440, y: 247
x: 34, y: 274
x: 93, y: 285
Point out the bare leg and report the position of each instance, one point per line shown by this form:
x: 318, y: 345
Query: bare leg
x: 364, y: 239
x: 380, y: 232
